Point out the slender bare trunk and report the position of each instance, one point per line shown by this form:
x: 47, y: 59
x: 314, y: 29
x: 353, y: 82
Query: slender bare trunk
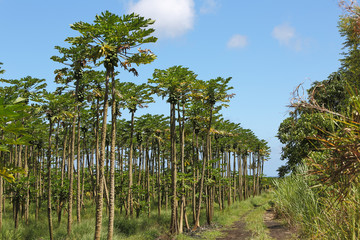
x: 84, y: 155
x: 147, y: 173
x: 97, y: 153
x: 71, y: 176
x: 38, y: 178
x: 61, y: 201
x: 210, y: 188
x: 234, y: 177
x: 89, y: 159
x: 1, y: 186
x: 129, y: 196
x: 254, y: 174
x: 173, y: 224
x: 258, y: 175
x: 228, y: 156
x: 219, y: 186
x: 241, y: 197
x: 1, y: 201
x: 205, y: 159
x: 78, y: 164
x: 194, y: 164
x: 112, y: 163
x: 16, y: 201
x: 167, y: 187
x: 245, y: 176
x: 158, y: 177
x: 27, y: 185
x: 182, y: 202
x: 49, y: 181
x: 100, y: 192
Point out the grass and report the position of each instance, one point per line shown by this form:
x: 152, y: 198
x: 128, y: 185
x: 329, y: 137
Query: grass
x: 124, y: 228
x: 254, y: 220
x: 251, y: 211
x: 296, y: 201
x: 136, y: 228
x: 313, y: 210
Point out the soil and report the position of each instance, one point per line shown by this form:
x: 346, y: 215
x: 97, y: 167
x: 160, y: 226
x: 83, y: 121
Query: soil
x: 237, y: 231
x: 278, y: 230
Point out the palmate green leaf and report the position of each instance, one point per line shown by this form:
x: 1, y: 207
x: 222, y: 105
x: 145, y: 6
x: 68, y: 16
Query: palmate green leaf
x: 8, y: 176
x: 6, y: 81
x: 110, y: 33
x: 19, y: 99
x: 4, y: 148
x: 1, y: 70
x: 8, y: 114
x: 18, y: 108
x: 142, y: 58
x: 19, y: 141
x: 16, y: 128
x: 7, y: 172
x: 58, y: 59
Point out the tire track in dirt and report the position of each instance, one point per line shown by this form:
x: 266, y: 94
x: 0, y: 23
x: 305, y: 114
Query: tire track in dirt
x: 237, y: 231
x: 277, y: 229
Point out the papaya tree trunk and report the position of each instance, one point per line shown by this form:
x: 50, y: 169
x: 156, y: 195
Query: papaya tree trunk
x: 158, y: 177
x: 78, y: 168
x: 97, y: 153
x: 71, y: 176
x: 112, y: 162
x: 228, y: 165
x: 147, y: 172
x: 240, y: 182
x: 1, y: 187
x: 63, y: 160
x: 100, y: 190
x: 1, y: 201
x: 27, y: 184
x: 205, y: 159
x: 49, y: 181
x: 245, y: 176
x: 174, y: 223
x: 129, y: 195
x: 254, y: 174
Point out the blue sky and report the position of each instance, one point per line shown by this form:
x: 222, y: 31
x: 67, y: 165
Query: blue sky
x: 267, y: 47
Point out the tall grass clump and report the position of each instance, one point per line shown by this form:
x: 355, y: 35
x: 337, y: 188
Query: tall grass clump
x: 296, y: 201
x: 324, y: 196
x: 315, y: 209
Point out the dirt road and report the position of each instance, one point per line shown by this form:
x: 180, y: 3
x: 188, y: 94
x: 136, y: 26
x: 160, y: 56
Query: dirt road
x: 275, y: 229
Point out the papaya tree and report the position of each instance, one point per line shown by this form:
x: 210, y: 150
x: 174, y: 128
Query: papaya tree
x: 15, y: 100
x: 133, y: 97
x: 173, y: 83
x: 53, y: 110
x: 215, y: 95
x: 74, y: 58
x: 110, y: 39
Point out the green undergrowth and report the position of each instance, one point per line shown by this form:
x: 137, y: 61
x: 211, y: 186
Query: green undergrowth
x: 255, y: 219
x: 124, y: 228
x: 133, y: 228
x: 313, y: 209
x: 297, y: 202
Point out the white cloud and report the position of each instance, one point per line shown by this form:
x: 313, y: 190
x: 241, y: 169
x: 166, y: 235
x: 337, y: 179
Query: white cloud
x: 237, y: 41
x: 284, y: 33
x: 208, y: 6
x: 286, y: 36
x: 173, y: 18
